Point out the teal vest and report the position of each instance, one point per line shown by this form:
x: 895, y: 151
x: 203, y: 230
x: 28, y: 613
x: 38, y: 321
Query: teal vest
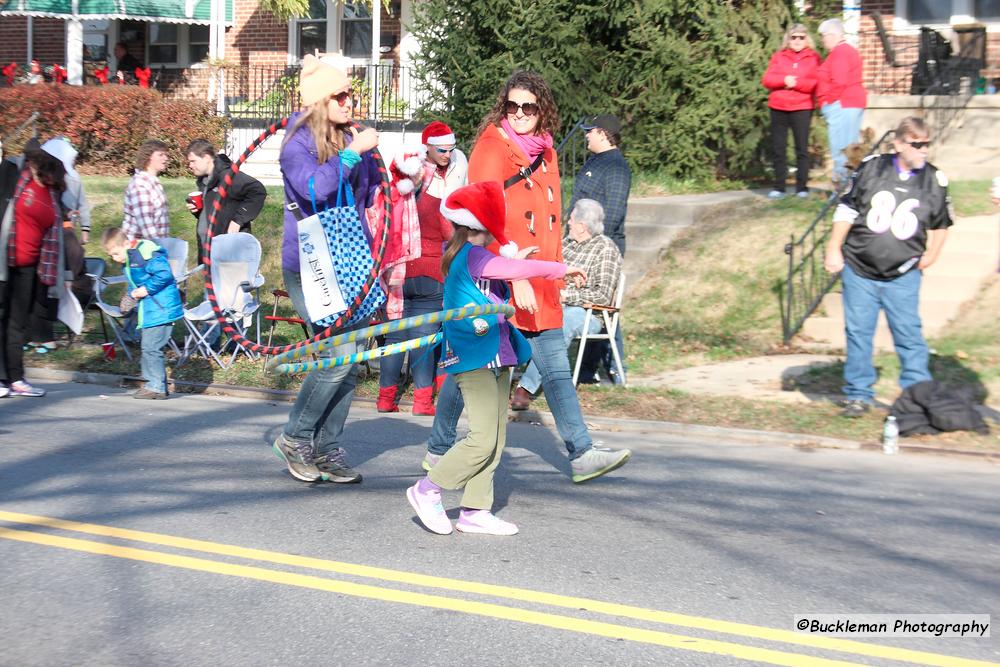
x: 464, y: 349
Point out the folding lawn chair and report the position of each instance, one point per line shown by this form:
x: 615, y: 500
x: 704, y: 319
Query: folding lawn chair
x: 177, y: 254
x: 609, y: 327
x: 237, y: 281
x: 111, y: 316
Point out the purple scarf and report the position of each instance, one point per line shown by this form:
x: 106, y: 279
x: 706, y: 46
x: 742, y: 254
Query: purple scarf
x: 531, y: 145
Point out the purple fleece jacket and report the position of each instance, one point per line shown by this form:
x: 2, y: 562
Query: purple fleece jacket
x: 298, y: 163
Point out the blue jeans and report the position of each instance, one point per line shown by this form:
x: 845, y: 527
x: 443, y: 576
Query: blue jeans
x: 320, y: 409
x: 421, y: 296
x: 843, y: 126
x: 573, y: 319
x: 152, y: 362
x: 548, y: 350
x: 900, y: 299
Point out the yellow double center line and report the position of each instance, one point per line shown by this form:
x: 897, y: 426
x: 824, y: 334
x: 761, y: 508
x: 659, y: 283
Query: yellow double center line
x: 515, y: 614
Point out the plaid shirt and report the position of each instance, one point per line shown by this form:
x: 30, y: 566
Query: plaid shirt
x: 146, y: 214
x: 598, y: 256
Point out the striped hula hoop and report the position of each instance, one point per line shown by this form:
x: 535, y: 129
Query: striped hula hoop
x: 284, y: 362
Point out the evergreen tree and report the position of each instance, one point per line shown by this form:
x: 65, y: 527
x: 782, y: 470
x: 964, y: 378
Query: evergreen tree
x: 683, y: 76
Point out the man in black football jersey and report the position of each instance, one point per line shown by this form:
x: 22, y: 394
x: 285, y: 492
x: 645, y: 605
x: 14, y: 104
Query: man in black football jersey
x: 890, y: 225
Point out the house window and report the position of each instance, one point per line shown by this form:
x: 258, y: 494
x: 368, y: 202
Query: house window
x: 198, y: 38
x: 987, y: 9
x: 357, y: 30
x: 311, y: 31
x: 163, y: 41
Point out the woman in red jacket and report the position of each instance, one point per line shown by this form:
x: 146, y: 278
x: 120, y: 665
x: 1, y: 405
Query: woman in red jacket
x: 515, y: 148
x: 791, y: 78
x: 35, y: 209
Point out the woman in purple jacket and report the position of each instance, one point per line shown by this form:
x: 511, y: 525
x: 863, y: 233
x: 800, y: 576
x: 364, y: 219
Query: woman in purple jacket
x: 321, y: 146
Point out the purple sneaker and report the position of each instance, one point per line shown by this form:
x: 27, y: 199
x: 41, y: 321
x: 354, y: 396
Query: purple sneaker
x: 430, y: 511
x: 483, y: 522
x: 22, y: 388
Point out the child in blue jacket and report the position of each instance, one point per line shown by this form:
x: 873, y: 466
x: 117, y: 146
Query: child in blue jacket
x: 480, y: 353
x: 151, y: 283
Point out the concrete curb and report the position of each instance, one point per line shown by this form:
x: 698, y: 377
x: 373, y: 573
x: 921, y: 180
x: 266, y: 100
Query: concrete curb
x: 609, y: 424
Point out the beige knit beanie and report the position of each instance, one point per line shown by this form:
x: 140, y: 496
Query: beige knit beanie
x: 319, y: 80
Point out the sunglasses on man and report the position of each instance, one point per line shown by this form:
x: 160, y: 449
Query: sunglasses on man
x: 510, y: 107
x: 919, y: 144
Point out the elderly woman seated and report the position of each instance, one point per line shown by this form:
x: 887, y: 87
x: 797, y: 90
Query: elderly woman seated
x: 587, y: 247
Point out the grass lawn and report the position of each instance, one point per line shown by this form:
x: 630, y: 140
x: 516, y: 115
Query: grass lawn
x: 712, y: 297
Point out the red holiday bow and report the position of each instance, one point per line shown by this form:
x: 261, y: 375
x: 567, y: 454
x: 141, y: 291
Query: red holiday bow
x: 59, y: 73
x: 143, y: 74
x: 10, y: 71
x: 102, y: 75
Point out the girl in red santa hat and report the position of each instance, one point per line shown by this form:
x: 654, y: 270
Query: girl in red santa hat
x: 479, y: 353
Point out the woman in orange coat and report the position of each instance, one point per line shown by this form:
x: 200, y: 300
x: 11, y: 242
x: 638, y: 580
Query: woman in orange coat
x: 515, y: 148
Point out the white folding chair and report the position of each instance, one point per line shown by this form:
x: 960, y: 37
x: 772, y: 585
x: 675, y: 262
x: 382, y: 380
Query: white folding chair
x: 111, y: 316
x: 237, y: 281
x: 177, y: 254
x: 609, y: 316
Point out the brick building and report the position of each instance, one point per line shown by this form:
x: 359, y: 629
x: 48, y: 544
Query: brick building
x: 903, y: 21
x: 176, y: 38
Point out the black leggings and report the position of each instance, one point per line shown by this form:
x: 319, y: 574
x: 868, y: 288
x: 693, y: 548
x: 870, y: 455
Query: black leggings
x: 20, y: 295
x: 798, y: 122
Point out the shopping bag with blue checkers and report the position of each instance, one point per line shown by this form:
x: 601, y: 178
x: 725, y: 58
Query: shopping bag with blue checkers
x: 334, y: 271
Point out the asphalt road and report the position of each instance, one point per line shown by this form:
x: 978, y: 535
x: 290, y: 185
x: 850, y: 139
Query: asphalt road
x: 167, y: 533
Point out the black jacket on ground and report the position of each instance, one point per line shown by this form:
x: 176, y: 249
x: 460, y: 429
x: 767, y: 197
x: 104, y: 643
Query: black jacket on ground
x: 243, y: 203
x: 931, y: 407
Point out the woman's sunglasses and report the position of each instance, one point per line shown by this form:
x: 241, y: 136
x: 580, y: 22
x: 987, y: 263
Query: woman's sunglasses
x: 342, y: 97
x: 794, y: 37
x: 510, y: 107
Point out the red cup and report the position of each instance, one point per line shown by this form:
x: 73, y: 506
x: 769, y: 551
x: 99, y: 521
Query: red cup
x: 196, y: 199
x: 109, y: 351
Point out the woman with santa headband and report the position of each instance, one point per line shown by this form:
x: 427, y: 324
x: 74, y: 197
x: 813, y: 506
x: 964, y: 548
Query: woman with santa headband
x: 320, y: 148
x: 415, y: 282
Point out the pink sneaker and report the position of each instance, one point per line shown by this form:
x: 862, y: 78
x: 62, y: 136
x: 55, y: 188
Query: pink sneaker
x: 429, y: 509
x: 484, y: 523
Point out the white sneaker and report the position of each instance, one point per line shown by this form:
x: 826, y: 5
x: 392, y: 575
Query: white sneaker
x: 598, y: 461
x: 483, y: 523
x: 429, y: 510
x: 775, y: 194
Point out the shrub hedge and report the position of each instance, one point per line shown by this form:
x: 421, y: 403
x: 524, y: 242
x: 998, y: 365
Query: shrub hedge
x: 106, y: 124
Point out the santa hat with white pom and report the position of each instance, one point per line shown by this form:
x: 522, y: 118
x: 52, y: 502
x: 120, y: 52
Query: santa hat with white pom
x: 480, y: 206
x: 402, y: 169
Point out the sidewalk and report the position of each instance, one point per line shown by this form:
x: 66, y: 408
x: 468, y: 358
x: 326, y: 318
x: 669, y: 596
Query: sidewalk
x: 595, y: 424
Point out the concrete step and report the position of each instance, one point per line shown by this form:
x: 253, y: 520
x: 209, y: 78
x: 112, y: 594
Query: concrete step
x: 934, y: 313
x: 829, y: 332
x: 645, y: 236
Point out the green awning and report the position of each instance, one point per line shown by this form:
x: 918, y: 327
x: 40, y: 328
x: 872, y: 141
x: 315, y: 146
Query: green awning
x: 158, y: 11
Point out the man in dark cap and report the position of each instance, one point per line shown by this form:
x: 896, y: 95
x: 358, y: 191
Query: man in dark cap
x: 606, y: 178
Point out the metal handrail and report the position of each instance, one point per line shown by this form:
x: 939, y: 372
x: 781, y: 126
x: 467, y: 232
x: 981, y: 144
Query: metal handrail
x: 571, y: 156
x: 808, y: 281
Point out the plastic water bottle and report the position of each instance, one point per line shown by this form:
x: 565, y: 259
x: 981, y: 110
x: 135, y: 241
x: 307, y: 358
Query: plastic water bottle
x: 890, y: 436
